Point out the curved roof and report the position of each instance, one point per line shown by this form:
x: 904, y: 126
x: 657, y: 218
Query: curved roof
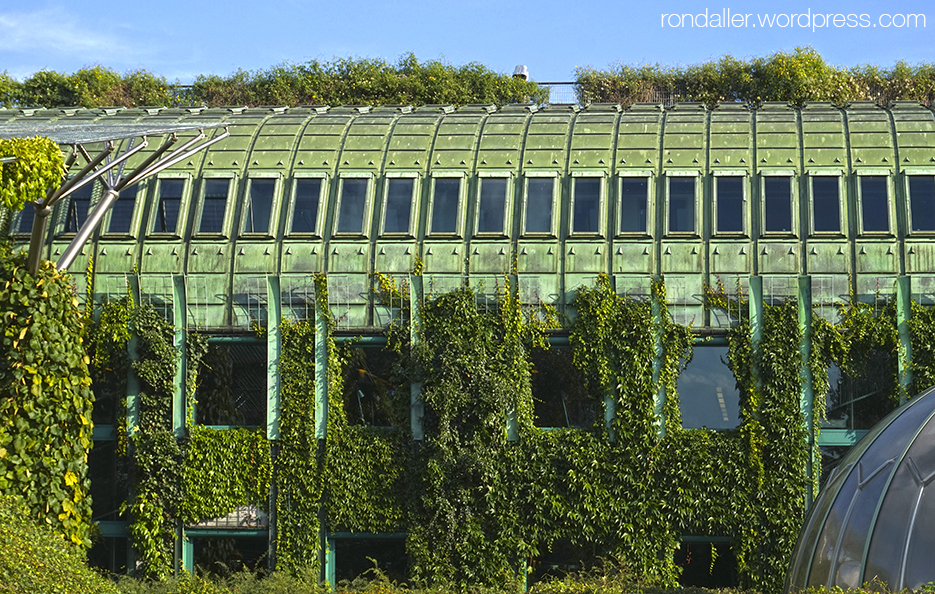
x: 873, y: 519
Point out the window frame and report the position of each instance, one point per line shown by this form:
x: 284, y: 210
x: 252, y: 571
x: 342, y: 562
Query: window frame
x: 322, y: 198
x: 508, y: 197
x: 907, y: 173
x: 699, y: 182
x: 228, y: 211
x: 182, y: 219
x: 793, y: 202
x: 887, y: 174
x: 744, y: 176
x: 368, y: 204
x: 275, y: 202
x: 416, y: 178
x: 459, y: 215
x: 842, y: 202
x: 649, y: 223
x: 600, y: 175
x: 556, y: 194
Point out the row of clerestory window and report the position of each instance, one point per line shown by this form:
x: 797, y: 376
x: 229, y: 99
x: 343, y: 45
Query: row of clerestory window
x: 634, y: 212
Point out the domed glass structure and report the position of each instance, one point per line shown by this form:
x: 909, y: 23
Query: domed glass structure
x: 874, y: 518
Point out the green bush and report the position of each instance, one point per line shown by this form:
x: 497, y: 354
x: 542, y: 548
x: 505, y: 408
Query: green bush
x: 36, y: 560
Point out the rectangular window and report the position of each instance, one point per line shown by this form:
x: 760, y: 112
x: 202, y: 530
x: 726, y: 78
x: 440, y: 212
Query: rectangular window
x: 215, y: 203
x: 729, y: 204
x: 587, y: 205
x: 259, y: 206
x: 445, y: 205
x: 305, y: 206
x: 681, y: 205
x: 232, y: 385
x: 121, y: 212
x: 26, y: 217
x: 708, y: 395
x: 634, y: 198
x: 826, y: 207
x: 874, y: 204
x: 353, y: 204
x: 79, y: 203
x: 539, y: 193
x: 491, y: 207
x: 169, y: 205
x: 777, y: 204
x: 922, y: 202
x: 398, y: 204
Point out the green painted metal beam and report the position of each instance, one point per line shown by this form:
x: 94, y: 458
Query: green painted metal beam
x: 903, y: 314
x: 273, y: 350
x: 416, y: 406
x: 840, y: 437
x: 806, y: 395
x: 179, y: 307
x: 659, y: 405
x: 321, y: 369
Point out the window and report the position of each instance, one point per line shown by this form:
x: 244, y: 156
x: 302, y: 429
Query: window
x: 79, y: 203
x: 398, y: 211
x: 587, y: 205
x: 707, y: 391
x: 730, y: 204
x: 259, y: 206
x: 922, y: 202
x: 777, y: 204
x: 539, y: 200
x: 634, y: 200
x: 826, y: 207
x: 352, y: 205
x: 168, y: 206
x: 874, y: 204
x: 682, y: 204
x: 232, y: 385
x: 305, y: 206
x: 214, y: 205
x: 26, y: 218
x: 445, y: 205
x: 491, y: 207
x: 560, y: 392
x: 121, y: 211
x: 371, y: 396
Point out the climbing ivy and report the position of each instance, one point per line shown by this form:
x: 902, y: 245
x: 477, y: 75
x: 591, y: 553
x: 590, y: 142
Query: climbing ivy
x: 38, y: 166
x: 46, y: 403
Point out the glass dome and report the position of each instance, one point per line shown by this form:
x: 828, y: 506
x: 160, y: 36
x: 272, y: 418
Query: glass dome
x: 875, y: 516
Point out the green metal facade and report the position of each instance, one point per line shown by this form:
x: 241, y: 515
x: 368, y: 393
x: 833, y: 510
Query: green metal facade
x: 814, y: 203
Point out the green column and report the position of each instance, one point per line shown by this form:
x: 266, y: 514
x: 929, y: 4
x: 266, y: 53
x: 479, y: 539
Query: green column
x: 273, y: 349
x: 659, y: 404
x: 756, y: 318
x: 903, y: 313
x: 133, y: 382
x: 806, y: 394
x: 330, y: 563
x: 179, y: 408
x: 416, y: 406
x: 322, y: 313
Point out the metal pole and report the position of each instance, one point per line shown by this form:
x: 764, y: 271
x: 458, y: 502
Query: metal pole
x: 416, y: 406
x: 74, y: 248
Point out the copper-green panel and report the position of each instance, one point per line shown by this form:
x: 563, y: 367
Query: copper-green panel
x: 633, y: 256
x: 828, y: 257
x: 920, y: 256
x: 116, y: 256
x: 444, y: 256
x: 545, y: 142
x: 281, y: 159
x: 255, y: 257
x: 721, y: 141
x: 363, y: 143
x: 395, y: 256
x: 490, y: 256
x: 779, y: 257
x: 162, y: 257
x: 537, y: 255
x: 349, y: 256
x: 212, y: 256
x: 585, y: 256
x: 275, y: 142
x: 303, y: 256
x: 730, y: 256
x: 682, y: 256
x: 878, y: 256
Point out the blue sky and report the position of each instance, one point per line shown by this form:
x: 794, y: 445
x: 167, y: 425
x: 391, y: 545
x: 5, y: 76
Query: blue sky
x: 180, y: 39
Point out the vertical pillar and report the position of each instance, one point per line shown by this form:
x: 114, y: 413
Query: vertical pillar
x: 807, y: 394
x: 903, y: 313
x: 188, y: 555
x: 659, y: 403
x: 330, y: 564
x: 273, y: 351
x: 183, y: 547
x: 416, y: 406
x: 321, y: 368
x: 133, y: 382
x: 512, y: 424
x: 756, y: 319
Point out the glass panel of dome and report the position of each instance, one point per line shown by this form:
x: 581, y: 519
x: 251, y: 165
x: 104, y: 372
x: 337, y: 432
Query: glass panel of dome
x: 922, y: 202
x: 634, y: 196
x: 874, y: 203
x: 398, y: 205
x: 777, y: 198
x: 214, y: 205
x: 305, y: 206
x: 352, y: 206
x: 539, y: 197
x: 492, y: 204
